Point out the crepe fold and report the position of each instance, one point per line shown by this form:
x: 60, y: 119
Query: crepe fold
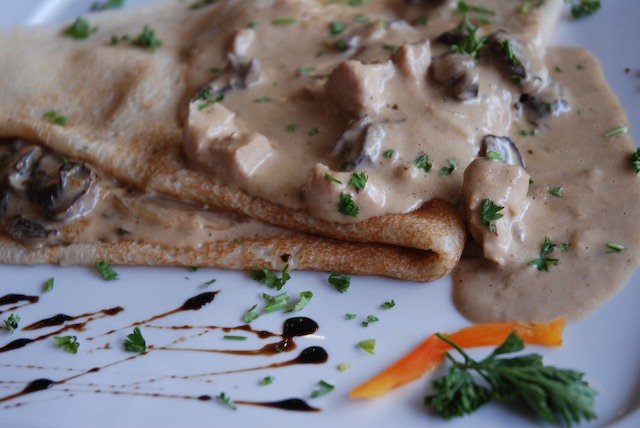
x: 126, y: 108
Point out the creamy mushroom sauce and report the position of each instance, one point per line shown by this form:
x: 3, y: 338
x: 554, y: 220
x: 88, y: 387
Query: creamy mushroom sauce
x: 104, y: 210
x: 302, y: 103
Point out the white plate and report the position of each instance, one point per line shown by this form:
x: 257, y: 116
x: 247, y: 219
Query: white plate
x: 604, y: 345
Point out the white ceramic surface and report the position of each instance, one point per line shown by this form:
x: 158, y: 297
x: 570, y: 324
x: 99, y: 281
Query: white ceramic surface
x: 605, y: 345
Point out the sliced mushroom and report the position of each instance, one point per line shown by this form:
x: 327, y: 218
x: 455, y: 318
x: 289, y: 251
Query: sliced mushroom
x: 510, y: 52
x: 64, y: 191
x: 239, y: 73
x: 505, y: 147
x: 458, y: 73
x: 360, y: 145
x: 544, y: 103
x: 21, y: 168
x: 29, y: 231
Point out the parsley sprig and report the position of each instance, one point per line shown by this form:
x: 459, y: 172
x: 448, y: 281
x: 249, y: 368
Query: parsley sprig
x: 490, y: 214
x: 68, y: 343
x: 135, y: 342
x: 347, y: 205
x: 542, y: 263
x: 147, y: 39
x: 270, y: 279
x: 11, y: 323
x: 552, y: 393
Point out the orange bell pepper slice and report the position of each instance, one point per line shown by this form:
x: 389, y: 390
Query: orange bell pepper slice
x: 431, y: 353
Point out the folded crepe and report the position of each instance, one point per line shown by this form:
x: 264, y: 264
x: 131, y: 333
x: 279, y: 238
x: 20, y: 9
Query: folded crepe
x: 266, y: 112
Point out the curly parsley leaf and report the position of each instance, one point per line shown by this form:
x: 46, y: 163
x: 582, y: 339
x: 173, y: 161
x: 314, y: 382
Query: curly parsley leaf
x: 270, y: 279
x: 358, y: 180
x: 555, y: 395
x: 68, y: 343
x: 106, y: 271
x: 543, y: 263
x: 135, y: 342
x: 422, y: 162
x: 347, y: 205
x: 490, y: 213
x: 340, y: 282
x: 11, y: 323
x: 80, y: 29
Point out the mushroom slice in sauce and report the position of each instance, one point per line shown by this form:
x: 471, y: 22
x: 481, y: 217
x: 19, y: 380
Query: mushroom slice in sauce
x: 21, y: 168
x: 505, y: 147
x: 360, y: 145
x: 240, y: 73
x: 458, y: 73
x: 24, y: 230
x: 63, y: 190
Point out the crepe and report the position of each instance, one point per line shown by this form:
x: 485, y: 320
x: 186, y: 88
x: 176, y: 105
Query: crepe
x: 129, y: 107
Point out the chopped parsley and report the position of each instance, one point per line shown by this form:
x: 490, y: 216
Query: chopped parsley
x: 350, y: 316
x: 508, y: 49
x: 307, y: 69
x: 323, y: 388
x: 232, y: 337
x: 448, y: 170
x: 292, y: 127
x: 464, y: 7
x: 147, y: 39
x: 206, y: 96
x: 48, y: 286
x: 270, y: 279
x: 106, y: 271
x: 313, y: 131
x: 391, y: 48
x: 267, y: 380
x: 116, y: 40
x: 388, y: 305
x: 305, y: 298
x: 80, y: 29
x: 347, y: 205
x: 337, y: 27
x: 340, y: 282
x: 282, y: 22
x: 263, y: 100
x: 529, y: 132
x: 11, y: 323
x: 635, y: 161
x: 54, y: 118
x: 584, y: 8
x: 370, y: 319
x: 250, y: 315
x: 368, y: 346
x: 388, y: 153
x: 135, y: 342
x: 422, y: 162
x: 344, y: 367
x: 490, y: 213
x: 358, y: 180
x: 331, y: 178
x: 68, y: 343
x: 615, y: 248
x: 470, y: 43
x: 226, y: 401
x: 208, y: 283
x: 556, y: 191
x: 615, y: 131
x: 542, y: 263
x: 422, y: 21
x: 494, y: 155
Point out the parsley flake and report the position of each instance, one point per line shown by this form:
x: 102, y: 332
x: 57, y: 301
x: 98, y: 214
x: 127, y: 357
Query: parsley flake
x: 200, y: 4
x: 148, y: 39
x: 80, y: 29
x: 391, y: 48
x: 11, y: 323
x: 490, y: 213
x: 448, y: 170
x: 635, y: 161
x: 358, y: 180
x: 370, y: 319
x: 135, y: 342
x: 226, y: 400
x: 494, y: 155
x: 267, y: 380
x: 263, y: 100
x: 340, y: 282
x: 556, y: 191
x: 350, y: 316
x: 206, y: 95
x: 331, y: 178
x: 422, y: 162
x: 323, y: 389
x: 109, y: 4
x: 283, y: 22
x: 250, y: 315
x: 106, y: 271
x: 347, y: 205
x: 313, y: 131
x: 344, y: 367
x: 615, y: 248
x: 583, y: 8
x: 208, y: 283
x: 292, y: 127
x: 270, y: 279
x: 368, y: 346
x: 54, y: 118
x: 337, y: 27
x: 615, y: 131
x: 68, y: 343
x: 388, y: 153
x: 48, y: 286
x: 232, y: 337
x: 543, y: 263
x: 388, y: 305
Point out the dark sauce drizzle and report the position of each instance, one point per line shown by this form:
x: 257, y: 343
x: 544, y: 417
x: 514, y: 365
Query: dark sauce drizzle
x: 12, y: 299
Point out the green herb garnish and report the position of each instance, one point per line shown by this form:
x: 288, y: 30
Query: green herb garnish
x: 615, y: 248
x: 490, y: 214
x: 464, y: 7
x: 250, y: 315
x: 225, y: 400
x: 48, y: 286
x: 135, y: 342
x: 388, y: 305
x: 635, y: 161
x: 57, y: 119
x: 494, y: 155
x: 448, y: 170
x: 313, y: 131
x: 370, y: 319
x: 263, y: 100
x: 337, y: 27
x: 542, y: 263
x: 147, y: 39
x: 292, y: 127
x: 200, y: 4
x: 347, y: 205
x: 270, y: 279
x: 267, y: 380
x: 552, y: 393
x: 391, y: 48
x: 556, y: 191
x: 232, y: 337
x: 331, y: 178
x: 307, y: 69
x: 305, y: 298
x: 68, y: 343
x: 350, y: 316
x: 80, y: 29
x: 282, y: 22
x: 11, y: 323
x: 340, y: 282
x: 358, y: 180
x: 344, y: 367
x: 206, y: 95
x: 470, y: 43
x: 388, y: 153
x: 208, y: 283
x: 109, y: 4
x: 422, y: 162
x: 106, y: 271
x: 368, y: 346
x: 615, y: 131
x: 324, y: 388
x: 584, y: 8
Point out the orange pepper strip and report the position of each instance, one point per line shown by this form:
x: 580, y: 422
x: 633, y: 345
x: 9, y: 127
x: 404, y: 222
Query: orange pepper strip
x: 431, y: 353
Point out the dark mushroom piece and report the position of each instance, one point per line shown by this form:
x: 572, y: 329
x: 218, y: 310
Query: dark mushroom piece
x: 505, y: 147
x: 29, y: 231
x: 541, y: 105
x: 458, y: 73
x: 510, y: 52
x: 21, y: 167
x: 63, y: 190
x: 5, y: 198
x: 360, y: 144
x: 239, y: 73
